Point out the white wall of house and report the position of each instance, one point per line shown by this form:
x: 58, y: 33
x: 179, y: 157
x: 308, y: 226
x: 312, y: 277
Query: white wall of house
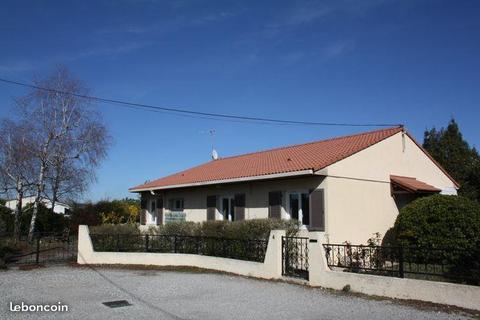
x: 358, y: 197
x: 59, y: 208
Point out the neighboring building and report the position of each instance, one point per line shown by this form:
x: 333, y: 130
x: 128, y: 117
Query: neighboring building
x: 349, y: 187
x: 60, y: 208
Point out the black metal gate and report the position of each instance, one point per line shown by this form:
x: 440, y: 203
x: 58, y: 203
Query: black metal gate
x: 44, y: 248
x: 295, y: 257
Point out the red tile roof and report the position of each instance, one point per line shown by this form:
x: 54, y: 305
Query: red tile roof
x: 412, y: 184
x: 309, y: 156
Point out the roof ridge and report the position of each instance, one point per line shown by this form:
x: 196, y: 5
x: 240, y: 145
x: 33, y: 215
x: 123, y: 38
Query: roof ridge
x: 307, y: 143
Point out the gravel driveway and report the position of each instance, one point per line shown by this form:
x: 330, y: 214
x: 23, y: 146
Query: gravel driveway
x: 157, y: 294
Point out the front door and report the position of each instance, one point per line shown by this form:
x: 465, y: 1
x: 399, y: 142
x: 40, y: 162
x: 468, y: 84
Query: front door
x: 228, y: 205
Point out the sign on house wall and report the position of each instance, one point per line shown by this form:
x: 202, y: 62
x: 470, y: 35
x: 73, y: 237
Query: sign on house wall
x: 174, y: 216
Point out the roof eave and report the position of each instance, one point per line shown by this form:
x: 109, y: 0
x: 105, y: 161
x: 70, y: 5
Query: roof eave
x: 224, y: 181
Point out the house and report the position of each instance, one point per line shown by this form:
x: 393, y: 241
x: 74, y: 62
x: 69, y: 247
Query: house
x: 60, y: 208
x: 348, y: 187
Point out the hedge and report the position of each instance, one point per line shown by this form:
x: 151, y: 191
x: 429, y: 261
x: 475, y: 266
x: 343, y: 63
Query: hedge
x: 245, y: 229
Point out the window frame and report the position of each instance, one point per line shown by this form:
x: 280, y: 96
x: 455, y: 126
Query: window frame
x: 172, y: 204
x: 300, y: 198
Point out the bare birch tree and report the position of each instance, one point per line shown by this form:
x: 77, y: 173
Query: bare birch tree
x: 68, y: 139
x: 16, y: 165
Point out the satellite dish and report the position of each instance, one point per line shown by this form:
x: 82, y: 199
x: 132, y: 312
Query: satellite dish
x: 214, y: 154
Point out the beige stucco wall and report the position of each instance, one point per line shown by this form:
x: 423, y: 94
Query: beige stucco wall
x: 358, y: 197
x: 256, y: 196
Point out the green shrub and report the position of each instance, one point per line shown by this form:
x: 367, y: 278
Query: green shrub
x: 6, y: 219
x: 84, y: 214
x: 129, y: 229
x: 240, y: 238
x: 245, y: 229
x: 389, y: 239
x: 259, y: 228
x: 183, y: 228
x: 105, y: 212
x: 127, y: 237
x: 439, y: 221
x: 118, y: 211
x: 47, y: 221
x: 113, y: 237
x: 8, y: 247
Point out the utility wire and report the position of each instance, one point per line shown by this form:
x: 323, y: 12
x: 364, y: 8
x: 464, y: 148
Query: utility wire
x: 199, y: 114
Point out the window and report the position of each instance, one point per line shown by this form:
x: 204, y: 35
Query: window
x: 228, y: 204
x: 175, y: 204
x: 299, y: 207
x: 152, y: 216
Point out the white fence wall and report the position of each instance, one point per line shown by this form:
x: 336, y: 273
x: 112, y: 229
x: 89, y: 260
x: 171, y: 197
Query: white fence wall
x: 271, y: 268
x: 319, y: 273
x: 400, y: 288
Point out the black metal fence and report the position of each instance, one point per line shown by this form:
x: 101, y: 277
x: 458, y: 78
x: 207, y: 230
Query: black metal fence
x: 43, y: 248
x: 295, y: 257
x: 446, y: 264
x: 240, y: 249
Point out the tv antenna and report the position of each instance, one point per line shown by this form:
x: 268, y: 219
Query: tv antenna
x: 212, y: 136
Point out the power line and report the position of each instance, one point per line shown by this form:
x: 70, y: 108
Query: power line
x: 198, y: 114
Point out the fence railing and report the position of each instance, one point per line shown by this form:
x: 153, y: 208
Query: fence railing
x: 43, y: 248
x: 438, y: 264
x: 240, y: 249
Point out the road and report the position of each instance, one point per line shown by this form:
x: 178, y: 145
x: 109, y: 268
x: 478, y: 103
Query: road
x: 154, y: 294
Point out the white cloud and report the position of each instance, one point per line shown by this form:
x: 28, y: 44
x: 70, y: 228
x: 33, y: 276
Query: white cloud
x: 337, y: 48
x: 307, y: 14
x: 16, y: 66
x: 111, y: 50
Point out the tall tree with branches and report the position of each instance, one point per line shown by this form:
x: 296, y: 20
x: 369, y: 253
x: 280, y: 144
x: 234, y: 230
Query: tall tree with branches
x: 453, y: 152
x: 68, y: 138
x: 17, y: 167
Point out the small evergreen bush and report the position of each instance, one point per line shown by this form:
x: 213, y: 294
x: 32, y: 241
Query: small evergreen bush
x: 439, y: 221
x: 442, y: 222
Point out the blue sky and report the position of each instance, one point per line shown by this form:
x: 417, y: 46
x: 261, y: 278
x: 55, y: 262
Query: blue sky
x: 380, y: 61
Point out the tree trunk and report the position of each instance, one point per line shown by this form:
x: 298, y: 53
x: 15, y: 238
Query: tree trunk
x: 54, y: 194
x: 18, y: 212
x: 37, y: 202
